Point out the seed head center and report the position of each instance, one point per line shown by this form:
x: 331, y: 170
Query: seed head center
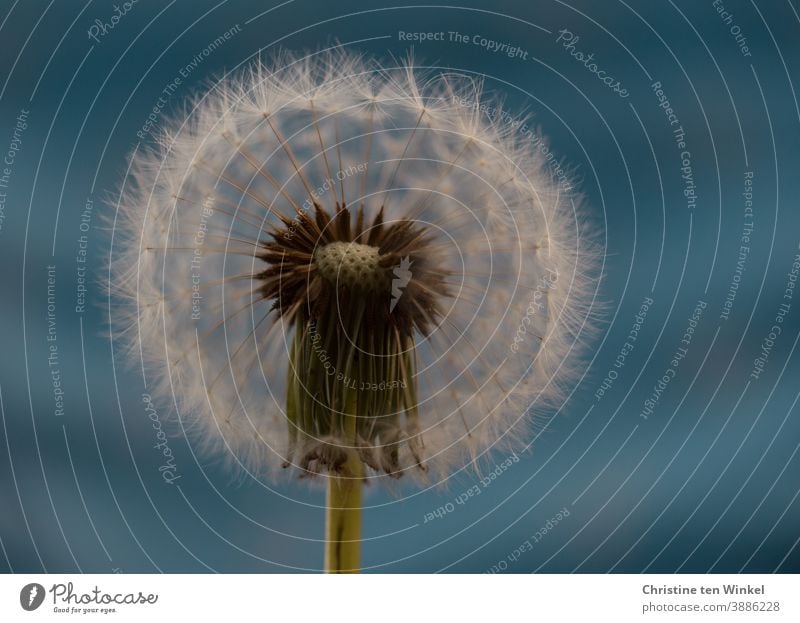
x: 352, y: 265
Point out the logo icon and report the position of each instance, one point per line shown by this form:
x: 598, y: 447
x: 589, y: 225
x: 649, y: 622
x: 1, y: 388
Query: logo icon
x: 31, y: 596
x: 402, y: 277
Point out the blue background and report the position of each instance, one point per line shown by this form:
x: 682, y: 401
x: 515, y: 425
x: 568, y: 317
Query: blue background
x: 708, y: 482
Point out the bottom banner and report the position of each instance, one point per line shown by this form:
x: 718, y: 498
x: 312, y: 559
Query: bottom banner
x: 407, y: 598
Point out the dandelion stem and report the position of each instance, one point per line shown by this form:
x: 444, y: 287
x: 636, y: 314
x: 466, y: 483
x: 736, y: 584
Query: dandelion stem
x: 343, y: 517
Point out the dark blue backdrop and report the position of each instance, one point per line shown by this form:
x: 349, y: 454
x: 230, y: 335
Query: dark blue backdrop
x: 706, y: 482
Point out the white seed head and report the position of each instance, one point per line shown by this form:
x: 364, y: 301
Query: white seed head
x: 240, y: 236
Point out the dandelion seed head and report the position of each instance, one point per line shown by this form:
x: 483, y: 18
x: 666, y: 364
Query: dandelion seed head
x: 255, y: 269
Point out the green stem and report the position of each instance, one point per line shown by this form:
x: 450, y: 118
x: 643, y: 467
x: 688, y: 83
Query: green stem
x: 343, y: 517
x: 343, y: 520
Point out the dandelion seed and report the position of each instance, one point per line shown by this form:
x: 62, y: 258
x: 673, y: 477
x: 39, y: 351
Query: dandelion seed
x: 347, y: 270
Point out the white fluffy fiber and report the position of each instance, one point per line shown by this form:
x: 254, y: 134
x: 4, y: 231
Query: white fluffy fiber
x: 528, y: 265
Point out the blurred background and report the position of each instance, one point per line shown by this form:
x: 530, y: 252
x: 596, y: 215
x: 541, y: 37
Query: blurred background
x: 699, y: 474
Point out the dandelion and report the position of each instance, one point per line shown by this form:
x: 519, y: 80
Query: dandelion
x: 349, y: 271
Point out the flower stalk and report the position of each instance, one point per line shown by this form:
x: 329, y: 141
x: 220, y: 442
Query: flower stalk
x: 344, y: 501
x: 343, y: 520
